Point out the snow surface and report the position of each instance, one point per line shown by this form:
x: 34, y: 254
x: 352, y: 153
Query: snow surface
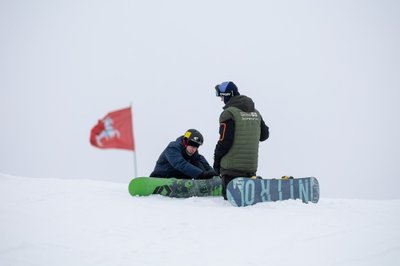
x: 85, y: 222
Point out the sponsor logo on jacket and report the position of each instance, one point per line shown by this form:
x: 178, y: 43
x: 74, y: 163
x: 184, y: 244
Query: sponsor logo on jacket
x: 249, y: 116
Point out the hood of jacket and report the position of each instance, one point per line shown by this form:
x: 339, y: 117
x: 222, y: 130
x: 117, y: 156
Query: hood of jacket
x: 242, y: 102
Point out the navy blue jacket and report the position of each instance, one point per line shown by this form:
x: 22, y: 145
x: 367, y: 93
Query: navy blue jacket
x: 175, y: 162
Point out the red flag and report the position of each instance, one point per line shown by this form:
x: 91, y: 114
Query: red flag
x: 114, y: 131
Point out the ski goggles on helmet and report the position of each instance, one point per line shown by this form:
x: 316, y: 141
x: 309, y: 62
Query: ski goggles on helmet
x: 221, y: 90
x: 193, y: 138
x: 193, y: 143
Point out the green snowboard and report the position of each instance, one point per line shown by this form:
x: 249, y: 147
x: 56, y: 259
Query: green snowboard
x: 176, y: 188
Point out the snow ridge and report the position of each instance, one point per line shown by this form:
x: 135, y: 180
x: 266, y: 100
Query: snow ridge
x: 85, y: 222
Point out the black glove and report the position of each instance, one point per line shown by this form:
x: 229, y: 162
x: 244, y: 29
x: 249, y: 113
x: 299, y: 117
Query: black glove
x: 207, y: 174
x: 216, y: 167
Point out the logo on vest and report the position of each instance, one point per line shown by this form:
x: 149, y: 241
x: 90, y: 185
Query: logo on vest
x: 253, y: 116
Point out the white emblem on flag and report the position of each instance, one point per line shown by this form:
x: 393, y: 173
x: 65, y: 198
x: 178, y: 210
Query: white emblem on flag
x: 108, y: 133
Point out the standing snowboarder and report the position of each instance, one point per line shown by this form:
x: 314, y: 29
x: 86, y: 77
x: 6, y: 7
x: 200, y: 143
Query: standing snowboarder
x: 241, y: 129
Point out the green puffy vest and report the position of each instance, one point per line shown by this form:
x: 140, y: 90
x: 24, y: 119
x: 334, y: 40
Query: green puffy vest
x: 242, y: 158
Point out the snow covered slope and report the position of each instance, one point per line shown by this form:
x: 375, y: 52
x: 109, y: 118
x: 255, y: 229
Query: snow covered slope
x: 69, y: 222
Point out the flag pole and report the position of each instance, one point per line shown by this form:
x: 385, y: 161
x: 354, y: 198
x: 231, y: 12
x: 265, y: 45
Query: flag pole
x: 134, y: 163
x: 134, y: 151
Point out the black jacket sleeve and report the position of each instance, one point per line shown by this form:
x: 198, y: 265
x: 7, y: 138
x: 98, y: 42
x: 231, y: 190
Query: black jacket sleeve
x: 226, y: 135
x: 264, y: 131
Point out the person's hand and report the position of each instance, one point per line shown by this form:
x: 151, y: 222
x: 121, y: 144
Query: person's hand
x: 207, y: 174
x: 216, y: 167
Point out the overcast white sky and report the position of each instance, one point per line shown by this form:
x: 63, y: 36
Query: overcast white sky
x: 324, y: 74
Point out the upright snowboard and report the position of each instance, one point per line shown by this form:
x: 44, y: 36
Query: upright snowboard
x: 243, y: 191
x: 173, y: 187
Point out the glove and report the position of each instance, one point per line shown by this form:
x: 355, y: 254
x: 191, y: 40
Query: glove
x: 216, y: 167
x: 207, y: 174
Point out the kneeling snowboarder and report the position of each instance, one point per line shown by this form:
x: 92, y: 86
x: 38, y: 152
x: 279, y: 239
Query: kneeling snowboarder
x: 182, y: 160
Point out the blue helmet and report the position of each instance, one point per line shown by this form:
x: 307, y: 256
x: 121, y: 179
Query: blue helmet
x: 227, y: 90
